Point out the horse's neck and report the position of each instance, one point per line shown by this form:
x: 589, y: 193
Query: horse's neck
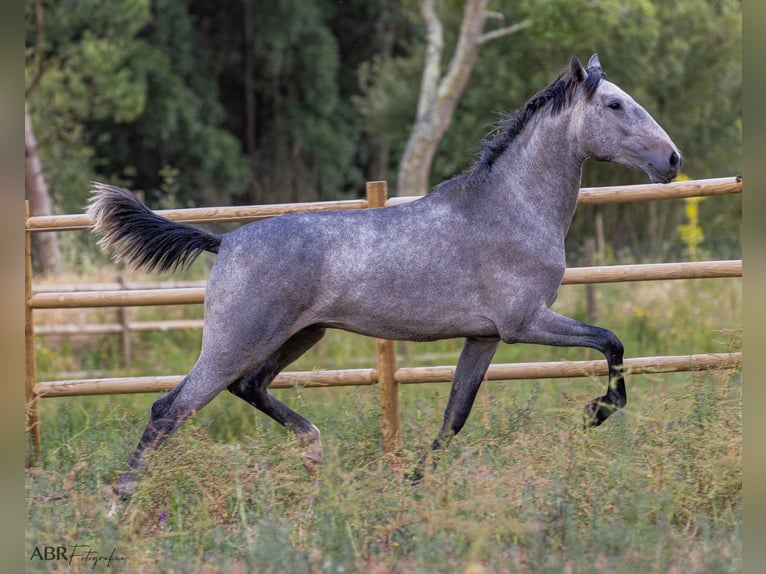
x: 540, y: 173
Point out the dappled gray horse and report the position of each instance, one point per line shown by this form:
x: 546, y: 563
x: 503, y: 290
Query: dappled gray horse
x: 480, y: 257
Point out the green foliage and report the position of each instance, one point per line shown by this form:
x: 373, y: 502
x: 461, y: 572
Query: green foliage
x: 389, y: 100
x: 181, y: 128
x: 657, y: 488
x: 81, y: 58
x: 691, y: 233
x: 284, y: 94
x: 300, y: 101
x: 118, y: 83
x: 659, y: 53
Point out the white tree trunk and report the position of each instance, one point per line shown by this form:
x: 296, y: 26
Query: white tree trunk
x: 439, y: 94
x: 46, y: 243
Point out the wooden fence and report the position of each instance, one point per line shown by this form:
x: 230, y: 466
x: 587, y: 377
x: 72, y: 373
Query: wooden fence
x: 385, y: 374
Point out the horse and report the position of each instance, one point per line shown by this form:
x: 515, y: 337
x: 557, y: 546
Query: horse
x: 480, y: 257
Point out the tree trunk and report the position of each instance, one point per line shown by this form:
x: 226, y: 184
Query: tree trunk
x: 377, y: 169
x: 380, y: 152
x: 251, y: 135
x: 45, y: 243
x: 439, y: 95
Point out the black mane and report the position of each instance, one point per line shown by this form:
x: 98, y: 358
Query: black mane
x: 555, y: 98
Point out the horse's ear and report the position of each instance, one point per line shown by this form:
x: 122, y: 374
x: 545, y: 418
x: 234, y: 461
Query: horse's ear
x: 594, y: 64
x: 579, y: 73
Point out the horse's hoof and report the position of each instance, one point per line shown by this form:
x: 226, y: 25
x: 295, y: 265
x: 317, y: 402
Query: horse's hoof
x: 123, y: 492
x: 313, y: 455
x: 594, y: 413
x: 598, y: 410
x: 114, y: 502
x: 125, y: 487
x: 313, y: 461
x: 113, y: 509
x: 117, y: 499
x: 415, y: 477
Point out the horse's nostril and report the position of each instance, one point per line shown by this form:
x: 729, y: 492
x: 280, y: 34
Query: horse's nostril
x: 675, y: 160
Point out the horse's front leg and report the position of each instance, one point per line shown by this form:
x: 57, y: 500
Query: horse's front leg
x: 600, y: 408
x: 549, y: 328
x: 469, y: 373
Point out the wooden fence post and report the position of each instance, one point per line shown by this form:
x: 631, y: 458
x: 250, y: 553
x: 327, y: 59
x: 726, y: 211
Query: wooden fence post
x: 122, y: 315
x: 377, y: 193
x: 30, y: 376
x: 590, y: 288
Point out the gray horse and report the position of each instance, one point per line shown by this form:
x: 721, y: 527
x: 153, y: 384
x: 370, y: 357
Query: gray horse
x: 481, y: 257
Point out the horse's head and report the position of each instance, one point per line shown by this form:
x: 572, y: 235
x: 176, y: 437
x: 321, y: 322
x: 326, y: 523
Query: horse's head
x: 611, y: 126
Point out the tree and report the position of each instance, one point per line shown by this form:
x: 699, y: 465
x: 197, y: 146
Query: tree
x: 439, y: 94
x: 72, y: 74
x: 195, y: 103
x: 46, y: 244
x: 179, y: 149
x: 659, y: 53
x: 368, y: 32
x: 278, y: 67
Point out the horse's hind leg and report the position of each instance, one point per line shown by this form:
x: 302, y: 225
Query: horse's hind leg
x: 166, y: 415
x: 253, y: 388
x: 225, y: 358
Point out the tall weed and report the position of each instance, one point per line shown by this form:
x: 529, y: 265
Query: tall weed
x: 523, y: 488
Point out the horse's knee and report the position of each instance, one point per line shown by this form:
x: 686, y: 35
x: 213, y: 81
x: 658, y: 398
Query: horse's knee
x: 161, y: 415
x: 613, y: 347
x: 162, y: 406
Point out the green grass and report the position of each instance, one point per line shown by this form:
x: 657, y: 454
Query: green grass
x: 657, y: 488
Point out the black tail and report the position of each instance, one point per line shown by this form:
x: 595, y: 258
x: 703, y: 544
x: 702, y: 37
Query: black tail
x: 142, y: 238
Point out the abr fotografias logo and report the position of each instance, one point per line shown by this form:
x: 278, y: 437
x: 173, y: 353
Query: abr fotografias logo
x: 76, y: 553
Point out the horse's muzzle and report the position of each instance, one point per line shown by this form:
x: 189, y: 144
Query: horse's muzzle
x: 665, y: 169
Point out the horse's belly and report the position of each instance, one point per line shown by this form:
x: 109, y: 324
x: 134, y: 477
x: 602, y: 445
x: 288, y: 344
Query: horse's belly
x: 411, y: 319
x: 417, y: 332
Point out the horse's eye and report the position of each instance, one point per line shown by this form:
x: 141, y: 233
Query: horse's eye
x: 615, y: 106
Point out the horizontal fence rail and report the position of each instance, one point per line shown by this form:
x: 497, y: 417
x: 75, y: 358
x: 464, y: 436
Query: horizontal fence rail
x: 113, y: 296
x: 232, y: 214
x: 572, y: 276
x: 113, y: 286
x: 246, y: 213
x: 407, y: 375
x: 387, y: 376
x: 118, y: 328
x: 652, y: 272
x: 646, y: 192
